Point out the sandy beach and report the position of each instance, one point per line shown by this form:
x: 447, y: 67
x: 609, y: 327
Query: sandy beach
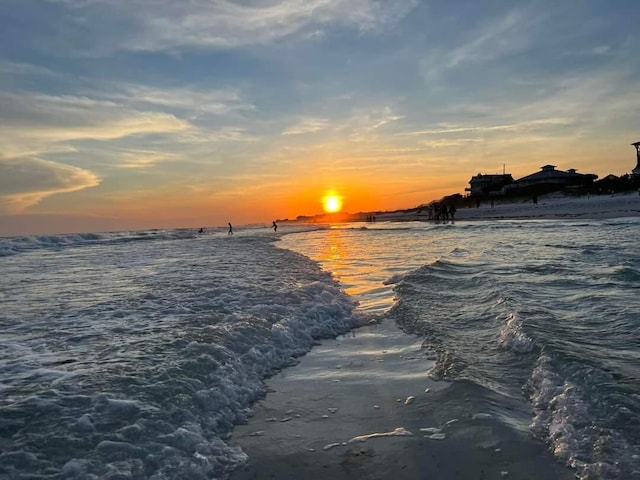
x: 335, y: 415
x: 558, y: 206
x: 554, y: 205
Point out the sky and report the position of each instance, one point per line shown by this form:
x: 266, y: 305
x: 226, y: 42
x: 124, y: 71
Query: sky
x: 132, y: 114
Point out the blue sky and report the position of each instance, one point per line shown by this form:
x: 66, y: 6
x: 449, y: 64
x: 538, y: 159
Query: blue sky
x: 142, y: 113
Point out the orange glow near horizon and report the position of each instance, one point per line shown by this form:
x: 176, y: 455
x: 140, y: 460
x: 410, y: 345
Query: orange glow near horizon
x: 332, y: 202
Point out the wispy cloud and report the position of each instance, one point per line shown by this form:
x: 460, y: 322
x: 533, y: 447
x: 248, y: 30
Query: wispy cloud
x: 144, y: 158
x: 363, y: 124
x: 25, y: 69
x: 40, y: 122
x: 189, y: 99
x: 515, y: 127
x: 601, y: 50
x: 227, y: 24
x: 494, y: 38
x: 307, y: 125
x: 25, y: 182
x: 499, y: 37
x: 160, y: 25
x: 597, y: 99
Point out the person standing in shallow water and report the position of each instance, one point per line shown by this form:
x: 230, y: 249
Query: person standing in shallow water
x: 230, y: 229
x: 274, y: 225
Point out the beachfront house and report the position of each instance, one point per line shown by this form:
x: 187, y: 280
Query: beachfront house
x: 481, y: 185
x: 550, y: 178
x: 546, y: 180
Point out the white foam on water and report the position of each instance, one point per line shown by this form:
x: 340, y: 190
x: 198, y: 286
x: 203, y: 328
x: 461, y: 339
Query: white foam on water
x: 134, y: 359
x: 481, y: 416
x: 513, y: 338
x: 398, y: 432
x: 331, y: 445
x: 436, y: 436
x: 562, y: 418
x: 431, y: 430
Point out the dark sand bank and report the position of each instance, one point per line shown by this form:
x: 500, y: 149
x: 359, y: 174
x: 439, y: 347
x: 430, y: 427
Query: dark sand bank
x: 358, y: 385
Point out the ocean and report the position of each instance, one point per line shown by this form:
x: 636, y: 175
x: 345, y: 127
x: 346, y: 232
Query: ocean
x: 132, y: 355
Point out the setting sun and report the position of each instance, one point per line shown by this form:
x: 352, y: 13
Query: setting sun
x: 332, y: 203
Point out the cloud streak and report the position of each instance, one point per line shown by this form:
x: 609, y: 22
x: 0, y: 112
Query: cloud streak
x: 515, y: 127
x: 35, y: 122
x: 188, y: 99
x: 26, y: 182
x: 307, y: 125
x: 165, y: 25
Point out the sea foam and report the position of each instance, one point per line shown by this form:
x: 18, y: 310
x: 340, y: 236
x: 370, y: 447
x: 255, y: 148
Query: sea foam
x: 512, y: 336
x: 563, y: 419
x: 140, y: 369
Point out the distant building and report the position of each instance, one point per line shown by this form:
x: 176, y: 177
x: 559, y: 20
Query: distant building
x: 481, y: 185
x: 635, y: 173
x: 548, y: 176
x: 546, y: 180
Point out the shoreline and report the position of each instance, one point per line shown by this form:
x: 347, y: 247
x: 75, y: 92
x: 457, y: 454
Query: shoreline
x: 549, y: 207
x: 373, y: 384
x: 558, y: 207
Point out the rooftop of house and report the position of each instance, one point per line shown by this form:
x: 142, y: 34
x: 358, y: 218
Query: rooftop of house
x: 549, y: 171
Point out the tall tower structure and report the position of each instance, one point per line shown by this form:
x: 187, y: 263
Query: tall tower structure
x: 635, y: 173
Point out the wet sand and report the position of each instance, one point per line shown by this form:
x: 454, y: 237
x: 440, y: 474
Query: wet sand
x: 361, y: 384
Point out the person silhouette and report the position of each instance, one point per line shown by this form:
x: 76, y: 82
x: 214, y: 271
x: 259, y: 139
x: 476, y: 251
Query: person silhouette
x: 230, y: 229
x: 274, y: 225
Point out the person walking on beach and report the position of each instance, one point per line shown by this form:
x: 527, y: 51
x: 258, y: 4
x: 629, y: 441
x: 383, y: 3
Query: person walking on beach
x: 230, y: 229
x: 274, y: 225
x: 452, y: 212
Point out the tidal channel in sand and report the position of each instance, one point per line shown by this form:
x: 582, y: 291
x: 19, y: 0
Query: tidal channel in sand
x: 374, y: 380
